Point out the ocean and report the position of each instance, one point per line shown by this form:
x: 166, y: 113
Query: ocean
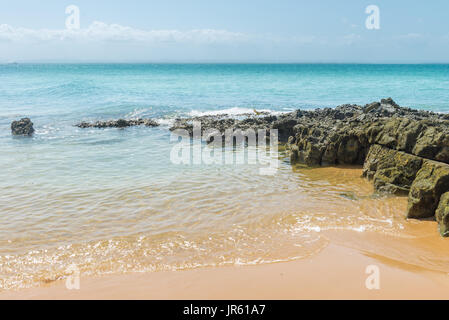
x: 111, y: 201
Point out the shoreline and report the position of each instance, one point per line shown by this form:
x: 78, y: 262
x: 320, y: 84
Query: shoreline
x: 337, y: 272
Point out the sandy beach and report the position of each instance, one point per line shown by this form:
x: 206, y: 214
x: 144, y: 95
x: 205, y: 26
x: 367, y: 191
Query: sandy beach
x: 337, y: 272
x: 224, y: 150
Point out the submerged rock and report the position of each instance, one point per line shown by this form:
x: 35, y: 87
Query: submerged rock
x: 23, y: 127
x: 349, y: 195
x: 120, y: 123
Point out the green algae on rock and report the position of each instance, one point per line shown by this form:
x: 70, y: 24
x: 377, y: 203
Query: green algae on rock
x: 431, y: 182
x: 392, y: 171
x: 442, y: 214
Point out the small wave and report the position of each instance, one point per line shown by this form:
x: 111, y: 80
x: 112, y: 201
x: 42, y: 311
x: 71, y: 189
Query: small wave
x: 138, y: 113
x: 233, y: 112
x: 166, y: 122
x: 236, y: 111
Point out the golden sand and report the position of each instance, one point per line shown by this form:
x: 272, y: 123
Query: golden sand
x: 337, y: 272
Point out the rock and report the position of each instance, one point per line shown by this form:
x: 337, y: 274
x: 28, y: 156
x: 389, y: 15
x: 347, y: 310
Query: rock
x: 433, y: 142
x: 345, y: 134
x: 370, y: 107
x: 392, y: 171
x: 431, y: 181
x: 384, y: 108
x: 120, y: 123
x: 375, y: 153
x: 285, y: 127
x: 328, y: 145
x: 427, y: 138
x: 442, y: 215
x: 350, y: 150
x: 22, y: 127
x: 349, y: 195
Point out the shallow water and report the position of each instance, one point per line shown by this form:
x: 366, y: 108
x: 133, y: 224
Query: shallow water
x: 111, y: 201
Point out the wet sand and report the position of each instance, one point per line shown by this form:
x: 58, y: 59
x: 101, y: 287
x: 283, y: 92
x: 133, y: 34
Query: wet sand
x: 337, y: 272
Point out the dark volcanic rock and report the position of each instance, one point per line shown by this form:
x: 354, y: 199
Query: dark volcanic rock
x: 22, y: 127
x: 120, y: 123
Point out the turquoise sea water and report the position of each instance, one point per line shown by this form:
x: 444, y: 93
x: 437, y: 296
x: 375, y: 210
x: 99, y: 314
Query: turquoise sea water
x: 72, y: 92
x: 67, y: 93
x: 111, y: 200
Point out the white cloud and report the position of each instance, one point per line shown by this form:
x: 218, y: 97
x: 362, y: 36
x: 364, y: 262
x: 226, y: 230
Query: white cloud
x: 113, y: 42
x: 115, y: 33
x: 99, y: 31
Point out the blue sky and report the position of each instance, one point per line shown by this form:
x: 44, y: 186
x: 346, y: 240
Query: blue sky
x: 225, y: 31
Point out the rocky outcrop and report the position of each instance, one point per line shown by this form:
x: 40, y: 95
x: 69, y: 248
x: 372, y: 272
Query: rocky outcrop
x: 120, y: 123
x: 345, y: 134
x: 402, y: 150
x: 23, y: 127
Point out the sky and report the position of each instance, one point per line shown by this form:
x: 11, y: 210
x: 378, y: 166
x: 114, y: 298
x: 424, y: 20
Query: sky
x: 224, y: 31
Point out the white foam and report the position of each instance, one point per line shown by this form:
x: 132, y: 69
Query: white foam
x: 310, y: 228
x: 165, y: 122
x: 360, y: 229
x: 235, y: 111
x: 137, y: 113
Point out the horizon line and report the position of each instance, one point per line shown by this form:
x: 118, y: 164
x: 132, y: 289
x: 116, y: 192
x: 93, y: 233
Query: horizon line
x: 218, y: 62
